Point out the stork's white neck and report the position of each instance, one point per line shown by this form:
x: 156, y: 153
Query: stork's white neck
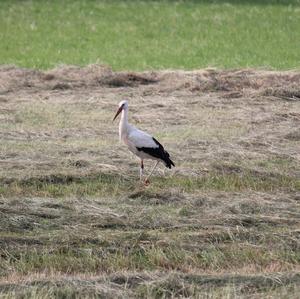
x: 123, y: 125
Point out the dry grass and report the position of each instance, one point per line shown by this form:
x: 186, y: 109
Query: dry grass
x: 75, y: 223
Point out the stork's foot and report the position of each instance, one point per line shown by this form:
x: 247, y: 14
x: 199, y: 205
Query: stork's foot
x: 144, y: 183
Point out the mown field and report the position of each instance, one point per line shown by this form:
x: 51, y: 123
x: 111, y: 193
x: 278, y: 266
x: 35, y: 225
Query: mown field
x: 74, y: 220
x: 143, y: 35
x: 76, y: 223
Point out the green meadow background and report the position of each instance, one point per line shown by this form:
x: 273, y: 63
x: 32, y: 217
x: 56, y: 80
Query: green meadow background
x: 140, y: 35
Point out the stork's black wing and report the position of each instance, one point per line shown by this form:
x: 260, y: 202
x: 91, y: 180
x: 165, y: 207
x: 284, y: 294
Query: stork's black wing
x: 158, y: 152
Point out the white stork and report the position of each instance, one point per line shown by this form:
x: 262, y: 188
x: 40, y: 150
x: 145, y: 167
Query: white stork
x: 141, y: 143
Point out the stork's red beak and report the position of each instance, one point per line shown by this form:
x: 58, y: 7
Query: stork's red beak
x: 118, y: 112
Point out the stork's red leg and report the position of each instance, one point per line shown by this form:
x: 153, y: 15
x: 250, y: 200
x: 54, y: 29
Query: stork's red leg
x: 142, y: 169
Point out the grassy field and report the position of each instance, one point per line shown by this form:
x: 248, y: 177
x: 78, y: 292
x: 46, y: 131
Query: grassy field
x: 75, y: 222
x: 139, y: 35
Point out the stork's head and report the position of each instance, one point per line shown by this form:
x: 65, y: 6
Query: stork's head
x: 123, y: 105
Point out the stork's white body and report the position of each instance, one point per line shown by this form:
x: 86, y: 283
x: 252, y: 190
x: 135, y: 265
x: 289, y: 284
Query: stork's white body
x: 135, y: 138
x: 141, y: 143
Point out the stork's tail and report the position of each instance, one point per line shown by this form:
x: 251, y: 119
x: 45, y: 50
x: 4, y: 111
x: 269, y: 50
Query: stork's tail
x: 168, y: 162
